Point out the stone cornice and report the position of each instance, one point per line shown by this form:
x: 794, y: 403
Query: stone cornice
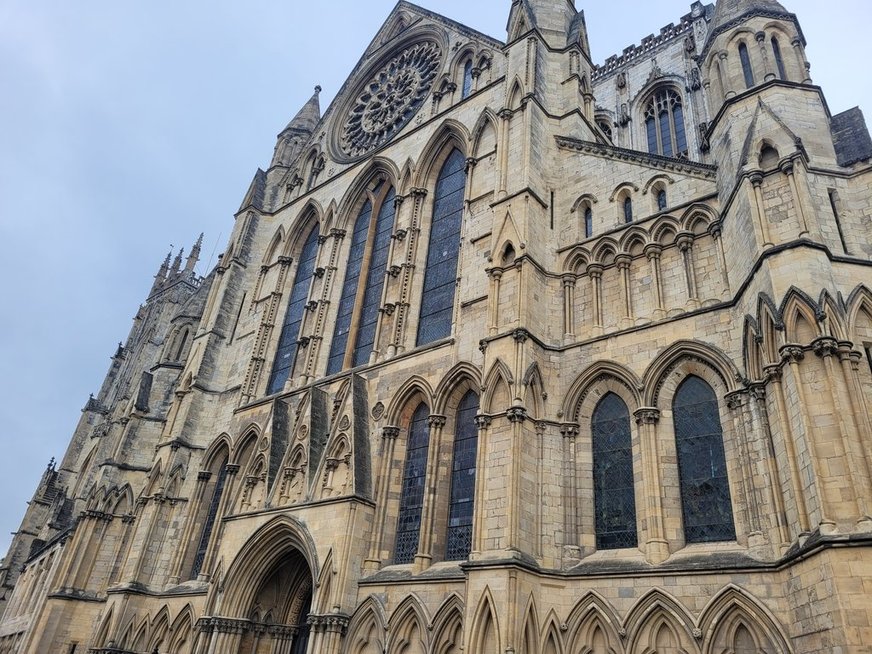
x: 703, y: 171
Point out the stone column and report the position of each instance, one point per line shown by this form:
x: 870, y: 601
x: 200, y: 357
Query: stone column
x: 715, y: 231
x: 623, y: 262
x: 850, y: 361
x: 656, y: 545
x: 760, y: 425
x: 787, y: 169
x: 482, y: 422
x: 496, y: 274
x: 801, y: 61
x: 571, y: 549
x: 726, y: 79
x: 768, y: 73
x: 431, y: 483
x: 595, y: 273
x: 232, y: 469
x: 757, y: 209
x: 503, y: 152
x: 653, y: 252
x: 389, y: 441
x: 736, y: 404
x: 685, y: 245
x: 516, y: 415
x: 568, y: 307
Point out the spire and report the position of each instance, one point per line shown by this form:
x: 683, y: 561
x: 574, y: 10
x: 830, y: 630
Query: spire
x: 177, y: 262
x: 161, y: 275
x: 194, y: 257
x: 553, y: 18
x: 308, y: 116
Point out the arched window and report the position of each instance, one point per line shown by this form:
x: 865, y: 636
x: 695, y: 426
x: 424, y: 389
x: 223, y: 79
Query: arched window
x: 361, y: 293
x: 459, y: 540
x: 211, y: 514
x: 412, y: 491
x: 314, y: 171
x: 440, y: 276
x: 661, y: 199
x: 779, y: 61
x: 604, y: 125
x: 702, y: 467
x: 628, y: 210
x: 286, y: 353
x: 588, y: 222
x: 466, y: 89
x: 664, y: 124
x: 746, y: 65
x: 613, y: 492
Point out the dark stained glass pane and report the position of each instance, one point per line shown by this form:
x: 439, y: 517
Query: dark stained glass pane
x: 651, y: 131
x: 779, y: 62
x: 628, y: 210
x: 459, y: 538
x: 702, y: 467
x: 588, y: 222
x: 467, y: 80
x: 680, y: 134
x: 375, y: 279
x: 440, y: 274
x: 746, y: 65
x: 661, y: 200
x: 412, y: 493
x: 286, y: 353
x: 349, y: 289
x: 613, y: 492
x: 210, y: 521
x: 665, y: 134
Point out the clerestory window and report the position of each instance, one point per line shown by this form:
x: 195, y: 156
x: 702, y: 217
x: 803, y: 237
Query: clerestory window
x: 664, y: 124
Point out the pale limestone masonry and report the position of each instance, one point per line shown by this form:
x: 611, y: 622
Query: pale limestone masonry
x: 688, y: 210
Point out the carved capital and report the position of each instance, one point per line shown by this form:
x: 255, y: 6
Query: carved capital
x: 647, y: 415
x: 435, y: 420
x: 760, y: 36
x: 595, y: 270
x: 568, y: 281
x: 772, y: 373
x: 516, y: 414
x: 756, y: 178
x: 684, y: 241
x: 483, y: 421
x: 520, y: 335
x: 786, y: 167
x: 506, y: 114
x: 825, y: 346
x: 394, y: 271
x: 715, y: 229
x: 470, y: 163
x: 232, y: 468
x: 319, y: 272
x: 337, y: 233
x: 792, y: 353
x: 311, y: 305
x: 623, y: 261
x: 204, y: 475
x: 390, y: 432
x: 653, y: 250
x: 569, y: 430
x: 400, y: 234
x: 735, y: 400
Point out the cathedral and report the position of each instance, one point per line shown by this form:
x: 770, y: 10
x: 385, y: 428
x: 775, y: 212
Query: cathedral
x: 509, y: 351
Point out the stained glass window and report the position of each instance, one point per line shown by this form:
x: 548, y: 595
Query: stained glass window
x: 613, y: 492
x: 628, y: 210
x: 375, y: 238
x: 779, y: 62
x: 412, y: 493
x: 588, y: 222
x: 462, y: 479
x: 286, y: 353
x: 664, y: 124
x: 661, y: 199
x: 200, y: 556
x: 702, y: 467
x: 467, y: 80
x: 440, y: 276
x: 746, y: 65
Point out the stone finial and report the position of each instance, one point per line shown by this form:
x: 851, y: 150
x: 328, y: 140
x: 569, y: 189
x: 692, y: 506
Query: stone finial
x: 194, y: 257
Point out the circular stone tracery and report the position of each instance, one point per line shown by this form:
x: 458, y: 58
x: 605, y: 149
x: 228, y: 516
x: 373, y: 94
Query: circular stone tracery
x: 390, y: 98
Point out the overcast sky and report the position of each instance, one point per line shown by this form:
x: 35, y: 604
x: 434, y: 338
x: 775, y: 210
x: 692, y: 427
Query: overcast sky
x: 128, y: 127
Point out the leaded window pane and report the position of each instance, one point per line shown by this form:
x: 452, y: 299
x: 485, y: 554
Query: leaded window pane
x: 614, y: 494
x: 779, y: 62
x: 661, y: 200
x: 680, y: 134
x: 460, y: 510
x: 628, y: 210
x: 665, y: 134
x: 702, y: 467
x: 286, y: 353
x: 375, y: 279
x: 210, y: 521
x: 467, y: 80
x: 349, y: 289
x: 412, y: 493
x: 588, y: 222
x: 440, y: 274
x: 746, y: 65
x: 651, y: 130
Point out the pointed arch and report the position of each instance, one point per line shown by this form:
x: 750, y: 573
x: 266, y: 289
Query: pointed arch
x: 407, y: 632
x: 450, y: 135
x: 858, y: 310
x: 159, y: 629
x: 377, y: 169
x: 516, y: 94
x: 769, y: 325
x: 752, y: 351
x: 485, y: 633
x: 497, y: 387
x: 366, y: 629
x: 447, y: 626
x: 274, y: 247
x: 462, y: 376
x: 101, y: 637
x: 799, y: 313
x: 552, y: 643
x: 407, y: 175
x: 535, y: 393
x: 701, y: 356
x: 733, y: 608
x: 484, y: 134
x: 650, y: 614
x: 593, y: 619
x: 309, y: 217
x: 835, y: 315
x: 414, y: 390
x: 530, y: 628
x: 595, y: 373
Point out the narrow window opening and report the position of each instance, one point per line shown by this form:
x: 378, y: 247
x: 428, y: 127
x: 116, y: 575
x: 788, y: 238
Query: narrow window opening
x: 467, y: 80
x: 834, y: 200
x: 412, y: 492
x: 746, y: 65
x: 868, y: 348
x: 661, y: 199
x: 210, y: 520
x: 460, y: 510
x: 182, y: 342
x: 238, y: 317
x: 588, y: 222
x: 664, y: 124
x: 628, y: 210
x: 779, y: 62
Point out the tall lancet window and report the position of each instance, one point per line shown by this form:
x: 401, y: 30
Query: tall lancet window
x: 211, y: 515
x: 702, y: 467
x: 440, y: 275
x: 588, y: 222
x: 664, y: 124
x: 467, y: 80
x: 745, y: 58
x: 779, y: 61
x: 412, y: 490
x: 613, y: 492
x: 364, y: 280
x: 460, y: 509
x: 286, y: 354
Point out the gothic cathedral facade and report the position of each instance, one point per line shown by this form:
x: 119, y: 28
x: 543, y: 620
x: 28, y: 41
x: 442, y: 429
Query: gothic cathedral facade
x: 508, y: 352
